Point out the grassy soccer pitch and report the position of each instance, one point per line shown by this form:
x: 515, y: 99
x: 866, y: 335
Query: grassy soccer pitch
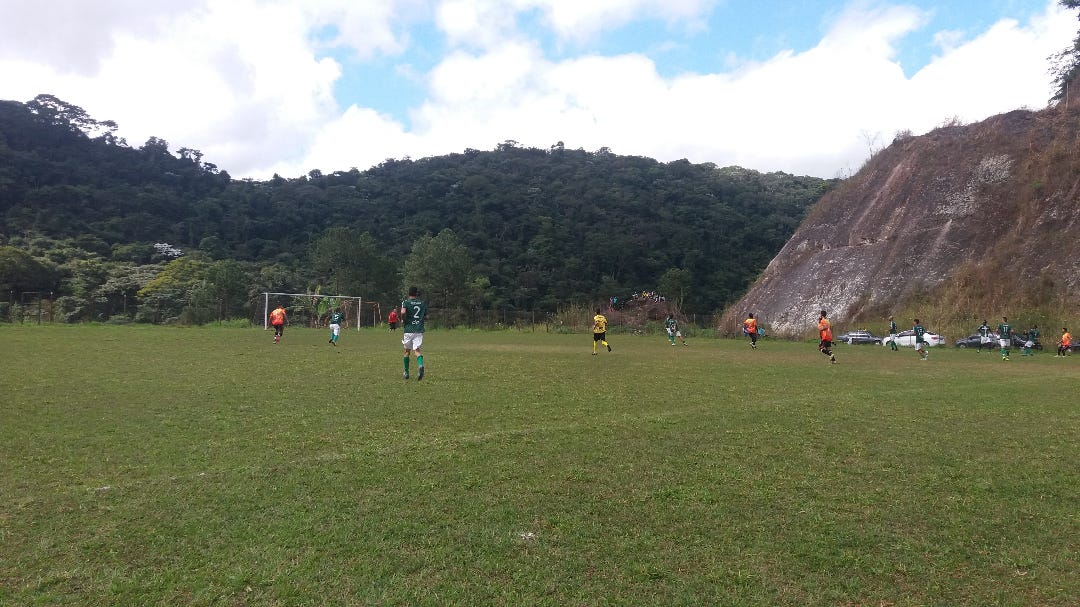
x: 207, y: 466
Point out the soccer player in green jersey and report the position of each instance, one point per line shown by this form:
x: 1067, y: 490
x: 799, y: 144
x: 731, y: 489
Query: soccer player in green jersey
x: 413, y: 313
x: 984, y: 336
x: 672, y: 327
x: 892, y: 335
x: 1032, y: 337
x: 1004, y: 337
x: 335, y: 326
x: 920, y: 341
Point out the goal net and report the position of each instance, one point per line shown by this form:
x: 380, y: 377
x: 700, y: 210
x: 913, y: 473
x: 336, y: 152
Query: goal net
x: 314, y: 309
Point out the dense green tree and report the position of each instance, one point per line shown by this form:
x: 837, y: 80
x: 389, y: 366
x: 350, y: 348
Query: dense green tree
x: 172, y: 289
x: 227, y: 288
x: 676, y: 284
x: 122, y: 285
x: 20, y: 272
x: 351, y: 263
x: 442, y: 268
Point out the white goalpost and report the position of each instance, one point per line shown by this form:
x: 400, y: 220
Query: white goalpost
x: 347, y: 298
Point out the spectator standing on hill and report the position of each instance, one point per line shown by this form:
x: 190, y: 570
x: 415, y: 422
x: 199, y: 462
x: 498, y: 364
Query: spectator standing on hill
x: 750, y: 328
x: 825, y: 333
x: 413, y: 313
x: 672, y: 327
x: 984, y: 336
x: 1064, y: 343
x: 1004, y: 337
x: 892, y: 335
x: 920, y: 340
x: 599, y: 331
x: 278, y: 318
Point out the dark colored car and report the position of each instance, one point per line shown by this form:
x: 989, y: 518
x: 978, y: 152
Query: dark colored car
x: 858, y: 337
x: 1019, y: 339
x: 975, y: 340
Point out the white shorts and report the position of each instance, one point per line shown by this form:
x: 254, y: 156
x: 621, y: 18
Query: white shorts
x: 1004, y: 343
x: 1029, y: 344
x: 412, y: 341
x: 335, y: 329
x: 984, y: 340
x: 676, y: 334
x: 919, y: 345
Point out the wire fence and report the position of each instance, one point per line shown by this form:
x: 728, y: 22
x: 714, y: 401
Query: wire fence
x: 44, y: 310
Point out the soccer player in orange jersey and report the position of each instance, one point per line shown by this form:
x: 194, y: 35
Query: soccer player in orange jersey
x: 1065, y: 343
x: 825, y: 333
x: 750, y: 329
x: 278, y: 319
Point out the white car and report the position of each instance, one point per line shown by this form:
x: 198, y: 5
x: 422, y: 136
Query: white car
x: 906, y: 339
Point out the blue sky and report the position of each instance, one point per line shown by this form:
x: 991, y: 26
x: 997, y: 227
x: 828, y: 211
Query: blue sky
x: 286, y: 86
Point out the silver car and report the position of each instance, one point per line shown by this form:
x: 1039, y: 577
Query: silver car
x: 907, y: 339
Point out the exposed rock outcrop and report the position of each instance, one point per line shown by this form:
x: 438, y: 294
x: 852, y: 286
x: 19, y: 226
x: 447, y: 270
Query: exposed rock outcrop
x: 999, y: 197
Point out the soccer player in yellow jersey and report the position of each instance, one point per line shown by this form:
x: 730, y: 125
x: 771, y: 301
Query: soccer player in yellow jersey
x: 599, y: 331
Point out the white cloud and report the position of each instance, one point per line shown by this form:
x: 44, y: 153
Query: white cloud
x: 486, y: 23
x: 76, y: 36
x: 478, y: 23
x: 577, y: 20
x: 247, y: 81
x: 237, y: 80
x: 369, y: 27
x: 1004, y: 68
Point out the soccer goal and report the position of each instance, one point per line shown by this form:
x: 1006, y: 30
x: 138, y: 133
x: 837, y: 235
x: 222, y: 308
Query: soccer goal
x: 312, y: 309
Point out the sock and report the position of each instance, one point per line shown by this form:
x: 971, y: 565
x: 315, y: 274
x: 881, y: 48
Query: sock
x: 594, y: 346
x: 406, y: 361
x: 419, y: 361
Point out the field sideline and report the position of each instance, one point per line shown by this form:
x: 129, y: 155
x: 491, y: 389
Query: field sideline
x: 206, y: 466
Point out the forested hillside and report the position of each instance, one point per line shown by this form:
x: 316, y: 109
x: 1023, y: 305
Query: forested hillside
x: 113, y: 230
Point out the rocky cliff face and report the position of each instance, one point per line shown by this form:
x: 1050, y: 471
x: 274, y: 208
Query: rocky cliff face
x: 988, y: 209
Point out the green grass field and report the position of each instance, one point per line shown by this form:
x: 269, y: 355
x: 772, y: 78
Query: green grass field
x: 168, y: 466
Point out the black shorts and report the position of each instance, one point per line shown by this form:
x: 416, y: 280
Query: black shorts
x: 599, y: 336
x: 825, y: 344
x: 279, y: 329
x: 393, y: 326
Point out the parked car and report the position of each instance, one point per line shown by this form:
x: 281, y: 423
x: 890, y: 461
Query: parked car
x: 1019, y: 340
x: 858, y: 337
x: 975, y: 340
x: 907, y: 339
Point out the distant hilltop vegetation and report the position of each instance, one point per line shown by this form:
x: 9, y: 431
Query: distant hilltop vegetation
x: 969, y: 221
x: 115, y: 232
